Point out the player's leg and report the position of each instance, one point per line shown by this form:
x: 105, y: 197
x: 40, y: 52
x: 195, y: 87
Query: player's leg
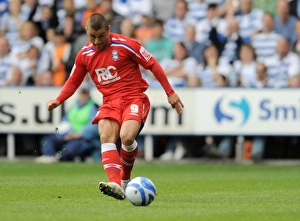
x: 109, y: 133
x: 129, y: 149
x: 134, y: 115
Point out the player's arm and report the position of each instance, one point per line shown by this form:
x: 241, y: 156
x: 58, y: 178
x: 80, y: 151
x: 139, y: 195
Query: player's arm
x: 145, y: 59
x: 76, y: 77
x: 173, y: 98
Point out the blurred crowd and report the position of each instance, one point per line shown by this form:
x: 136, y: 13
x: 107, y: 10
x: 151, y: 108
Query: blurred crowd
x: 199, y: 43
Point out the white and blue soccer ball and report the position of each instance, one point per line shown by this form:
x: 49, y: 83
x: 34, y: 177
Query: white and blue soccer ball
x: 140, y: 191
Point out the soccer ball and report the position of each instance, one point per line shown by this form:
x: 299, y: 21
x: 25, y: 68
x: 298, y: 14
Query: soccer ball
x: 140, y: 191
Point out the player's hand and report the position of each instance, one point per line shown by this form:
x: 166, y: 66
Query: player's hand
x: 52, y: 104
x: 175, y: 102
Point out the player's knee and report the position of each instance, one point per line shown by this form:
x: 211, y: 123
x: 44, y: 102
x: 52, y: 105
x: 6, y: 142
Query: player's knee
x: 104, y: 138
x: 127, y: 139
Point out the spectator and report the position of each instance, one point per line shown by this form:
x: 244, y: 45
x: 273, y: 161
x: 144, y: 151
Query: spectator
x: 174, y: 27
x: 266, y: 41
x: 249, y: 19
x: 92, y: 7
x: 204, y: 27
x: 75, y: 34
x: 159, y: 46
x: 15, y: 77
x: 245, y: 66
x: 228, y: 41
x: 180, y: 66
x: 114, y: 18
x: 195, y: 49
x: 31, y: 10
x: 45, y: 60
x: 45, y: 79
x: 197, y: 9
x: 28, y: 65
x: 28, y: 36
x: 75, y: 137
x: 48, y: 19
x: 76, y: 45
x: 283, y: 65
x: 27, y: 49
x: 61, y: 54
x: 5, y: 60
x: 284, y: 22
x: 143, y: 33
x: 127, y: 28
x: 72, y: 29
x: 12, y: 22
x: 261, y: 78
x: 68, y: 8
x: 212, y: 68
x: 133, y: 9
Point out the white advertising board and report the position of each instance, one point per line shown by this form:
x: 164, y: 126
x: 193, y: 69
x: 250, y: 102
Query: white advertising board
x: 248, y: 112
x: 215, y: 111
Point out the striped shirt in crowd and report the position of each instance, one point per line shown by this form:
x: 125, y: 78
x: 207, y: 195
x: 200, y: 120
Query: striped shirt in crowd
x: 174, y: 28
x: 265, y: 44
x: 279, y: 71
x: 197, y: 10
x: 249, y: 23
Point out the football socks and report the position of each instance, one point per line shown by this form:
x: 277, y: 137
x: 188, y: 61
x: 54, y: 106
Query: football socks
x: 128, y: 155
x: 111, y: 162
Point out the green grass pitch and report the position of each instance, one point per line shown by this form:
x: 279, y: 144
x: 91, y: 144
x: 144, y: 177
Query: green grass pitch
x: 185, y: 191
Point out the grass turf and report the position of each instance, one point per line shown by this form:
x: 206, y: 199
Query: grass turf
x: 191, y: 191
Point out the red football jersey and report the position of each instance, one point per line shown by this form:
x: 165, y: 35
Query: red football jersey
x: 114, y: 70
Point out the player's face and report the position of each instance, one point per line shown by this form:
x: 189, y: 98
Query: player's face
x: 100, y: 38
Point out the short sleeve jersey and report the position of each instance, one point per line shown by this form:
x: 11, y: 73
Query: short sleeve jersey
x: 115, y: 70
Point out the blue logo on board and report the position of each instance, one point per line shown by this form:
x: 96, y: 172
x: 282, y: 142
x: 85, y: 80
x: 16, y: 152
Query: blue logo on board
x: 242, y: 105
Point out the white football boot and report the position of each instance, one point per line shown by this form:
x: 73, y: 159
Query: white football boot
x: 112, y: 189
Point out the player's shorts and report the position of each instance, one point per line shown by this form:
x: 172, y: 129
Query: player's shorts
x: 121, y: 109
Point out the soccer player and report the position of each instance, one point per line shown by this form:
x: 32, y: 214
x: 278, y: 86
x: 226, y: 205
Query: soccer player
x: 113, y: 60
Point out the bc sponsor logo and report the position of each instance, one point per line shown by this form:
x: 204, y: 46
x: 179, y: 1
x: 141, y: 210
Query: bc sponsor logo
x: 225, y: 110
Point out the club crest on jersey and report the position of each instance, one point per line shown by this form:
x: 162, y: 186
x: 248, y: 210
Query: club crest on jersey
x: 114, y: 54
